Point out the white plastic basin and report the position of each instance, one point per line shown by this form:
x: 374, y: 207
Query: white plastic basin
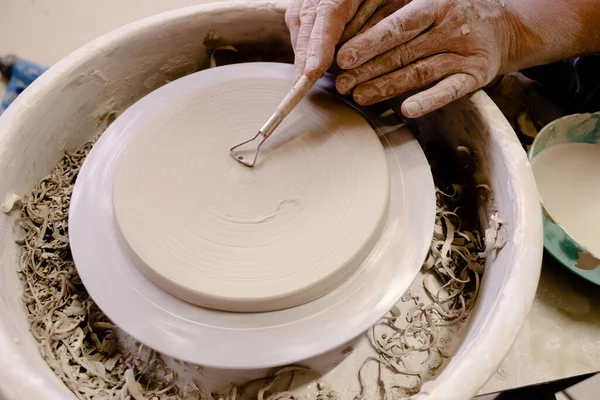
x: 71, y: 103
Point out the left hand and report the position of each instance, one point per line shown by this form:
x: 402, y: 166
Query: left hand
x: 459, y: 46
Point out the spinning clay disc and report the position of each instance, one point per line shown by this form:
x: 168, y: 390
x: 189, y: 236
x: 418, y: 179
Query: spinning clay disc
x: 220, y: 235
x: 158, y: 316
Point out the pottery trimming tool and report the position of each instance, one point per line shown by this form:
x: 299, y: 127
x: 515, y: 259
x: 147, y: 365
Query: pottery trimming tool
x: 297, y: 93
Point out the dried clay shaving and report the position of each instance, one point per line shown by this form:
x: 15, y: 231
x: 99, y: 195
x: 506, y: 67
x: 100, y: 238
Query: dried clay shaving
x: 87, y: 352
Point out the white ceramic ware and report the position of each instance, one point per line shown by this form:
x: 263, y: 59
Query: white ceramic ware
x: 582, y: 129
x: 71, y: 103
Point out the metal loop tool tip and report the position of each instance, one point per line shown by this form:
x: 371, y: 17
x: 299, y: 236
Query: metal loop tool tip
x: 246, y: 152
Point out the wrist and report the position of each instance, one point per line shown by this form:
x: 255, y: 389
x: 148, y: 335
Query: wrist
x: 538, y: 32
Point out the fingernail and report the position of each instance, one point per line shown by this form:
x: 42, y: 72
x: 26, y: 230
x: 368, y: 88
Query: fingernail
x: 366, y: 95
x: 411, y: 109
x: 344, y: 83
x: 347, y: 58
x: 359, y: 99
x: 311, y: 65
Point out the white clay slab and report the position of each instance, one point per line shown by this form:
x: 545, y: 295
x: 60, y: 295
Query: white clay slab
x: 249, y: 340
x: 220, y: 235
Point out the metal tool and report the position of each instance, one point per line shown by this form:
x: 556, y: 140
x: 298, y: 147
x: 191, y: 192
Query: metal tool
x: 20, y: 74
x: 299, y: 90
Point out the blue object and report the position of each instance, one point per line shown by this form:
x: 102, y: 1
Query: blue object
x: 20, y: 74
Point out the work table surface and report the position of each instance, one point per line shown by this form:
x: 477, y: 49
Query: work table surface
x: 561, y: 337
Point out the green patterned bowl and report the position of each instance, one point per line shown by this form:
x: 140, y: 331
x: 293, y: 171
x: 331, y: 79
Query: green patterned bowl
x: 577, y: 128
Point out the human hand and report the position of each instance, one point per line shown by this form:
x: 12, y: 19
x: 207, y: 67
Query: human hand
x: 460, y: 44
x: 317, y: 26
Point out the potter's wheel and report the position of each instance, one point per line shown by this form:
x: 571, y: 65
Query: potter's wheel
x: 170, y: 235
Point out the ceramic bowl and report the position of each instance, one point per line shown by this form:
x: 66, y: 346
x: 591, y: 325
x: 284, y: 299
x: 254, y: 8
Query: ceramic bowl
x: 577, y: 128
x: 74, y: 100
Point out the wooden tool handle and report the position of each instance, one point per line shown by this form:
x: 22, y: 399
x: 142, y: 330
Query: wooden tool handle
x: 299, y: 90
x: 297, y: 93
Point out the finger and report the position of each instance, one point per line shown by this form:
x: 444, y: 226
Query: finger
x: 394, y: 30
x: 387, y: 9
x: 308, y: 14
x: 332, y: 16
x: 365, y: 11
x: 292, y: 20
x: 450, y: 89
x: 414, y: 76
x: 420, y: 47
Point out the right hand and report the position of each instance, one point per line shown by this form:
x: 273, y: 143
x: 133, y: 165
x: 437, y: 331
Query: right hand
x: 317, y: 27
